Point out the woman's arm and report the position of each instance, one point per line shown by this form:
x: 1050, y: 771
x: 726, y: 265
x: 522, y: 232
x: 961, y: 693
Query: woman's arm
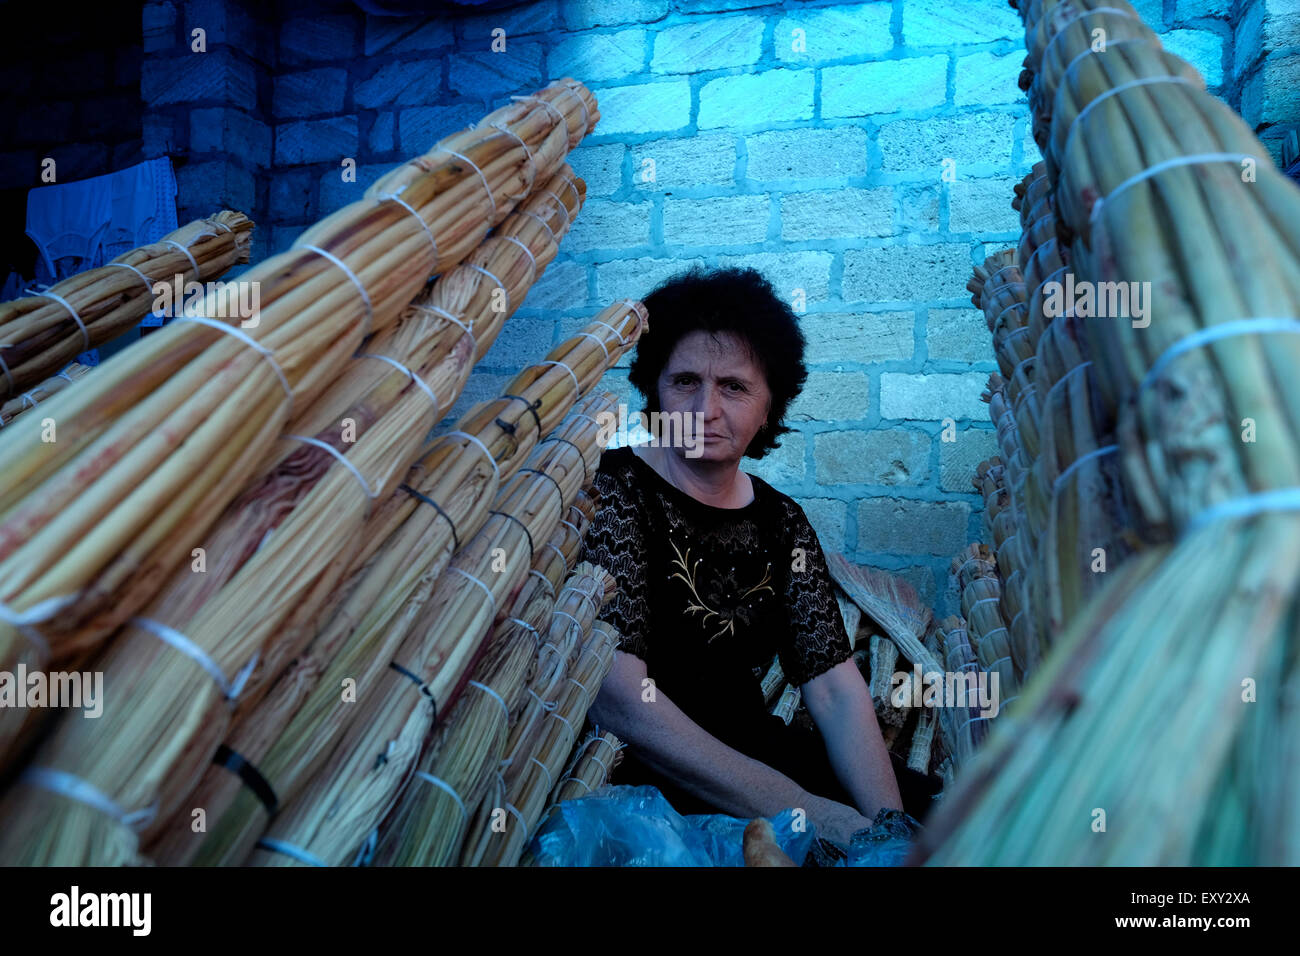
x: 674, y: 745
x: 840, y: 706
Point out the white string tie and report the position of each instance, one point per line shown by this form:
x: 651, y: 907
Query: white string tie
x: 342, y: 459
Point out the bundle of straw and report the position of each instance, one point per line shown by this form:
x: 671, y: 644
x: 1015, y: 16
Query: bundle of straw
x: 290, y: 737
x: 370, y: 764
x: 591, y: 767
x: 15, y: 406
x: 890, y: 602
x: 891, y: 702
x: 43, y: 332
x: 788, y: 703
x: 511, y: 811
x: 772, y: 682
x: 1146, y: 708
x: 976, y: 577
x: 183, y: 416
x: 429, y: 822
x: 961, y: 727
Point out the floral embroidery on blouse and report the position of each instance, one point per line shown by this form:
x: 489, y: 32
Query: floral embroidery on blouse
x: 739, y: 610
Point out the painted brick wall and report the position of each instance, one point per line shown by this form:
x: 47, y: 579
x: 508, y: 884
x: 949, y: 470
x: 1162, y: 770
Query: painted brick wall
x: 821, y: 164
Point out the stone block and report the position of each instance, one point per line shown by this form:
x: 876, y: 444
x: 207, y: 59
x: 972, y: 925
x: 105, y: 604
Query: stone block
x: 837, y: 213
x: 887, y: 86
x: 724, y: 220
x: 908, y: 526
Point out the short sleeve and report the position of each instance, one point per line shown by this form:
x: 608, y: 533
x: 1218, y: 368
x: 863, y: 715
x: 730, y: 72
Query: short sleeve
x: 615, y: 540
x: 817, y: 639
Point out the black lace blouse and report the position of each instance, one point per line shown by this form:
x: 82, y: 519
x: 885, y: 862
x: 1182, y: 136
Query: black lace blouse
x: 708, y: 597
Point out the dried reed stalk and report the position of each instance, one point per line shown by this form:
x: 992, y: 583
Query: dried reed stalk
x: 38, y: 393
x: 38, y: 334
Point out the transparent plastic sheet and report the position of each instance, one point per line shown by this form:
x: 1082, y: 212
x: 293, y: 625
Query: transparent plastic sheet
x: 637, y: 826
x: 886, y: 843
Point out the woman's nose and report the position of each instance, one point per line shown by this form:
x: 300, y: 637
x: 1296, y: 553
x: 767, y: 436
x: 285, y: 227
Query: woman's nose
x: 710, y: 404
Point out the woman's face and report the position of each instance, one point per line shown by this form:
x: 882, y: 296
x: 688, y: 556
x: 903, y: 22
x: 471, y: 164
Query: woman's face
x: 718, y: 379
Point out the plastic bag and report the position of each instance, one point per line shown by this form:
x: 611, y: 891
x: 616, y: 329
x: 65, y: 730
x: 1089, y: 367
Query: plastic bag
x: 637, y: 826
x: 886, y: 842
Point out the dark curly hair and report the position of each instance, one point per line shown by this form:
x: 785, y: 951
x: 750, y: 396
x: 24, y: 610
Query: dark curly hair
x: 741, y: 302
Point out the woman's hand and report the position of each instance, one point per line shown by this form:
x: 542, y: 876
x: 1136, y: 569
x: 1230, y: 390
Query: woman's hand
x: 836, y: 822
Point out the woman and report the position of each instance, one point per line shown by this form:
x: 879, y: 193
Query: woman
x: 719, y: 574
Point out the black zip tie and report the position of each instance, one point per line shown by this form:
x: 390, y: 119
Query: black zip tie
x: 532, y: 407
x: 532, y: 552
x: 252, y: 778
x: 455, y: 539
x: 551, y: 479
x: 418, y: 683
x: 581, y: 457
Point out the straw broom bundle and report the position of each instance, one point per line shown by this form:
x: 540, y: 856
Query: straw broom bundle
x: 40, y: 334
x: 359, y: 640
x: 340, y: 805
x: 772, y: 682
x: 557, y: 654
x: 192, y: 438
x: 892, y: 701
x: 1092, y: 77
x: 429, y: 824
x: 383, y: 600
x: 510, y: 822
x: 1189, y: 122
x: 426, y: 827
x: 574, y: 613
x: 437, y: 348
x: 1151, y: 651
x: 961, y: 727
x: 1044, y: 19
x: 38, y: 393
x: 995, y: 647
x: 889, y: 601
x: 443, y: 641
x: 224, y: 623
x: 788, y: 703
x: 591, y: 767
x: 1103, y: 31
x: 269, y: 581
x: 472, y: 300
